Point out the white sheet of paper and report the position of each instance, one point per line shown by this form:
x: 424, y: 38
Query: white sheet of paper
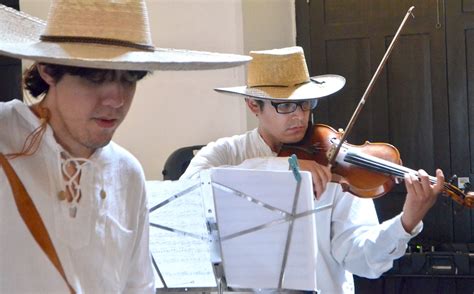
x: 254, y: 260
x: 183, y: 261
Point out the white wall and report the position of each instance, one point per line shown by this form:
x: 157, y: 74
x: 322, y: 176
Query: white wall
x: 175, y: 109
x: 267, y: 24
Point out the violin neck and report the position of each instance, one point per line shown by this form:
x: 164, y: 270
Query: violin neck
x: 380, y: 165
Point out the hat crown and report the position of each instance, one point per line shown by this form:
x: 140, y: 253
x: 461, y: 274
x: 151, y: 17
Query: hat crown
x: 124, y: 20
x: 277, y: 67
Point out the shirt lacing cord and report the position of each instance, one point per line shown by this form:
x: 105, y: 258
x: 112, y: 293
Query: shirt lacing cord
x: 71, y: 181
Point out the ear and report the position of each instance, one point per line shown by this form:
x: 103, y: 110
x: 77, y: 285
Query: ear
x: 43, y: 72
x: 253, y: 106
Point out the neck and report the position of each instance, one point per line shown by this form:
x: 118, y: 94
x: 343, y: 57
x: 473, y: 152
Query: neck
x: 80, y: 152
x: 274, y: 146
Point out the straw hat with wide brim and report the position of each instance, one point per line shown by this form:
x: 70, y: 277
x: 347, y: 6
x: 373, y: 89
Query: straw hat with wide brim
x: 102, y: 34
x: 282, y: 74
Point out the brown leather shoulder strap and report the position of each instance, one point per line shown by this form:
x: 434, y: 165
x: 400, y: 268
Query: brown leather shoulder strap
x: 32, y: 218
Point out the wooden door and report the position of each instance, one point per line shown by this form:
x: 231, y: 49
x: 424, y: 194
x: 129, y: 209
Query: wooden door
x: 408, y: 106
x: 460, y: 65
x: 423, y: 104
x: 10, y: 69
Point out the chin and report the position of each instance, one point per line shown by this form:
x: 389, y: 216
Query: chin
x: 293, y: 139
x: 103, y: 144
x: 99, y: 143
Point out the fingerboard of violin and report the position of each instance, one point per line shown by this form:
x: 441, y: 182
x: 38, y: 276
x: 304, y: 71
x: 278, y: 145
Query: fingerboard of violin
x: 380, y: 165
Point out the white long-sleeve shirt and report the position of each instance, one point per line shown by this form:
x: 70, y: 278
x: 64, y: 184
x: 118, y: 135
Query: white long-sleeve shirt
x: 104, y: 249
x: 350, y: 238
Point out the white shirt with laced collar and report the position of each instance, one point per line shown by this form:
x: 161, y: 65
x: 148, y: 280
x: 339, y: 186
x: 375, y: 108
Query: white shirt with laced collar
x: 103, y: 245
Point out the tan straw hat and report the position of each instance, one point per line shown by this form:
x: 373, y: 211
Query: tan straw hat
x: 107, y: 34
x: 282, y: 74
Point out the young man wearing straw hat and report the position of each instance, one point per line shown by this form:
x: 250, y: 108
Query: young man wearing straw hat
x: 73, y: 207
x: 350, y: 239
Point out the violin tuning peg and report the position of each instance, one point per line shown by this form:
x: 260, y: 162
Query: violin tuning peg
x: 469, y: 200
x: 467, y: 187
x: 453, y: 180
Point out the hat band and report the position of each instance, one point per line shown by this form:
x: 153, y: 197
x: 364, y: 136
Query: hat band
x: 92, y: 40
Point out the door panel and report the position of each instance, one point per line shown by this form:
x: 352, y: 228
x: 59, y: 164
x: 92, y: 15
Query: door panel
x: 10, y: 70
x: 460, y: 68
x: 410, y: 101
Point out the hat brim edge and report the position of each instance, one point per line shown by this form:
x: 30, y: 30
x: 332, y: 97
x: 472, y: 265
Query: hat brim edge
x: 250, y: 92
x: 147, y: 65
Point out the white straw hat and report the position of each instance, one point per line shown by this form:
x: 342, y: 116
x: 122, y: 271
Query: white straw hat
x: 107, y: 34
x: 282, y: 74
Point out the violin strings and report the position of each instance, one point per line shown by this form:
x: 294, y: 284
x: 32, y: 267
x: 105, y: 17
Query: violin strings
x: 376, y: 164
x: 390, y: 168
x: 381, y: 165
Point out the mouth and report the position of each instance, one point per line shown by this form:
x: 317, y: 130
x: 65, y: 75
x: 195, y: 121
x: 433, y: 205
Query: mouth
x: 106, y: 123
x: 296, y: 128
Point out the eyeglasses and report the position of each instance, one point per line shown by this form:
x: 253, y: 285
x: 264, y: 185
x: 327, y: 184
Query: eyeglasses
x: 289, y: 107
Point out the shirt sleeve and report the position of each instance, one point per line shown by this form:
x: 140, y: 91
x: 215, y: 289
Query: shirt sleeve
x: 226, y: 153
x: 362, y: 245
x: 235, y: 152
x: 211, y: 155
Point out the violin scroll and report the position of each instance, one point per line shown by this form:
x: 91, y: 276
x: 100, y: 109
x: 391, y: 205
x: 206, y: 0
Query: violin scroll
x: 458, y: 195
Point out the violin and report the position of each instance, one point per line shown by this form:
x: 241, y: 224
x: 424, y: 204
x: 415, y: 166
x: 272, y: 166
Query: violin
x: 370, y: 170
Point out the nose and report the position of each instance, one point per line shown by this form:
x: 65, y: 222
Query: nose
x: 114, y: 95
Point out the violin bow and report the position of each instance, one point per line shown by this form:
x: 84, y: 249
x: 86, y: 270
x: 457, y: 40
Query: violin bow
x: 335, y: 151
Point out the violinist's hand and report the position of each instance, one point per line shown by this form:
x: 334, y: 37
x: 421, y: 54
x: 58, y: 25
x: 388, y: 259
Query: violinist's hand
x: 321, y: 175
x: 421, y: 196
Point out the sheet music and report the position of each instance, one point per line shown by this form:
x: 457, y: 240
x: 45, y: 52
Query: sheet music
x: 246, y: 199
x: 184, y: 261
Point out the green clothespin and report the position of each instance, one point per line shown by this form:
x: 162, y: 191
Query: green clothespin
x: 295, y: 168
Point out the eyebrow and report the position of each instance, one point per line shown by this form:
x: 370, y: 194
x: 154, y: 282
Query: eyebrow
x: 284, y: 102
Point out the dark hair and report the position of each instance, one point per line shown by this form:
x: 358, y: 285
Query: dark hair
x: 260, y: 103
x: 35, y: 84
